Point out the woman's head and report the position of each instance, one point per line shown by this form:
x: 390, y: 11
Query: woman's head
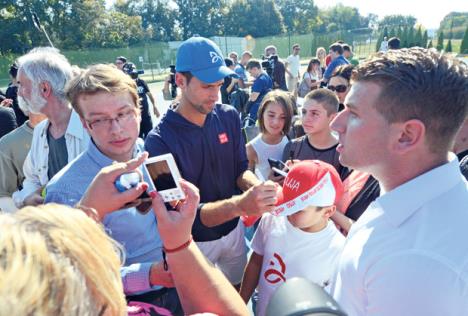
x: 340, y: 81
x: 314, y: 63
x: 275, y: 113
x: 55, y: 260
x: 320, y: 53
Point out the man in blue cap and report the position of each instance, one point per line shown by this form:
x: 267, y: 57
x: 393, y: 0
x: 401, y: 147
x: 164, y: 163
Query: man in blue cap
x: 205, y: 139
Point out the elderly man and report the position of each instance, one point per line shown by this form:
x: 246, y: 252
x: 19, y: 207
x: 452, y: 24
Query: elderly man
x: 41, y: 80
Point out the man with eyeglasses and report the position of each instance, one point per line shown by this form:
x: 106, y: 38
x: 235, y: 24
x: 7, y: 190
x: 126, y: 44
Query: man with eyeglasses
x: 107, y: 102
x: 292, y: 66
x: 41, y: 79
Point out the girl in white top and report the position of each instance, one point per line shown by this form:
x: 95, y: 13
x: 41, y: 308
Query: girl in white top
x: 274, y: 118
x: 313, y: 74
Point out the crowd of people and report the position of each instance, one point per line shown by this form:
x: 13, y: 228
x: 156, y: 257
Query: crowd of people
x: 356, y: 181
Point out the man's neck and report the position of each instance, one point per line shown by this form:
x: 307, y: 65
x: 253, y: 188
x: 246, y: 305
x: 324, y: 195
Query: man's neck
x: 322, y: 140
x: 59, y: 117
x: 406, y: 169
x: 187, y: 111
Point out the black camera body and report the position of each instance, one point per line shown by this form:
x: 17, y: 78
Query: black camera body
x: 131, y: 70
x: 172, y: 81
x: 268, y: 64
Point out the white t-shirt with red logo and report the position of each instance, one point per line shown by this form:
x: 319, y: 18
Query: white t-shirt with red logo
x: 290, y: 252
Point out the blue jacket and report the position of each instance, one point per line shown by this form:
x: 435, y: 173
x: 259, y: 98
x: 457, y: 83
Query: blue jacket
x: 211, y: 157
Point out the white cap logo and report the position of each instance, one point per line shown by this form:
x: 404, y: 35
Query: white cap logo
x: 215, y: 57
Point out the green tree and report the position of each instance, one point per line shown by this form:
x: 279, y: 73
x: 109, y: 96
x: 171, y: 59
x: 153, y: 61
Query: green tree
x: 429, y: 45
x: 464, y: 43
x: 298, y: 16
x: 425, y: 39
x: 448, y: 48
x: 440, y: 41
x: 397, y: 20
x: 418, y: 38
x: 202, y: 17
x: 456, y: 23
x: 247, y: 17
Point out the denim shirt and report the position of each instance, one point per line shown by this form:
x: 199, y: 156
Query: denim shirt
x: 137, y: 233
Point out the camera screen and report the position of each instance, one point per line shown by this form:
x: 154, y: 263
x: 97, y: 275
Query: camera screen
x: 161, y: 175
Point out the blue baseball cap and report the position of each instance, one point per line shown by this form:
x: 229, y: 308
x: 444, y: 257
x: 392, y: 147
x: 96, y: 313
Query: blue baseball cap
x: 203, y: 58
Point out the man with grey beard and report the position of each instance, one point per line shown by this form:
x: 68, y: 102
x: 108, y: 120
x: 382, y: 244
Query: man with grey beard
x: 42, y: 76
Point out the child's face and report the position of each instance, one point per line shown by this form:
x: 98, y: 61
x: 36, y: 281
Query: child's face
x: 310, y: 219
x: 274, y: 118
x: 315, y: 118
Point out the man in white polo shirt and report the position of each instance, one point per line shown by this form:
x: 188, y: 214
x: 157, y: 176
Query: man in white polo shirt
x: 292, y: 67
x: 408, y: 253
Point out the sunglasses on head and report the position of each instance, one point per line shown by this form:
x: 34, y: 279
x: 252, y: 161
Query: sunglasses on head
x: 339, y: 88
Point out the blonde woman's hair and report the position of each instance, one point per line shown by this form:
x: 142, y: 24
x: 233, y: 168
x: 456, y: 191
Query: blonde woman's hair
x: 100, y: 78
x: 318, y: 52
x: 55, y: 260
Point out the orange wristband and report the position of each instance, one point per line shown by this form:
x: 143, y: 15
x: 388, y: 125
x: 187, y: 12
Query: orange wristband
x: 181, y: 247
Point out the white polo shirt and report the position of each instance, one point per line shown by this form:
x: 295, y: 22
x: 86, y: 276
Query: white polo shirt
x: 408, y: 253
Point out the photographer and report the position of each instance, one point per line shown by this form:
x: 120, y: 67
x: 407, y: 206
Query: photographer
x: 146, y: 124
x: 278, y: 70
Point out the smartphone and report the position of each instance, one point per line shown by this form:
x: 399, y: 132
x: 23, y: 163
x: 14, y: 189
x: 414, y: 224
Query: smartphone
x: 278, y: 164
x: 165, y: 176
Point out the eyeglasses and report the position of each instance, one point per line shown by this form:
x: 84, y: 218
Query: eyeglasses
x: 122, y: 118
x: 339, y: 88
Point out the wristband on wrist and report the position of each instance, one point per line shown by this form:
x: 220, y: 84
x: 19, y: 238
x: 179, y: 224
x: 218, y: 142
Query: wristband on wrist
x: 173, y: 250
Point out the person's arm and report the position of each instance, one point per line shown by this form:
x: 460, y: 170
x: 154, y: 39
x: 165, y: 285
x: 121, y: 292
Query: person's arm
x: 231, y: 85
x: 286, y: 69
x: 200, y: 285
x: 254, y: 96
x: 251, y: 156
x: 31, y: 192
x: 343, y: 221
x: 153, y: 102
x: 251, y: 276
x: 257, y: 200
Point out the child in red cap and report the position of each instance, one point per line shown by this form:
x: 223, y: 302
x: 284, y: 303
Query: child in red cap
x: 297, y: 239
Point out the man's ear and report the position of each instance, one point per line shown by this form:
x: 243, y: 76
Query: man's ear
x: 180, y: 80
x: 45, y: 89
x: 410, y: 135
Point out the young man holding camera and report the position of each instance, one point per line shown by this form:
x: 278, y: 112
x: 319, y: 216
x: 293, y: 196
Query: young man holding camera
x: 114, y: 127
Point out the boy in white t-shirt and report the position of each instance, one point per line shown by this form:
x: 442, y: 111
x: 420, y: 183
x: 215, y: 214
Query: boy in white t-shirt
x: 297, y: 239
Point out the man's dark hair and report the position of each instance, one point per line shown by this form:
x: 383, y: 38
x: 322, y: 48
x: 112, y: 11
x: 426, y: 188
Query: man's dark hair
x: 188, y: 75
x: 422, y: 84
x: 326, y: 98
x: 122, y: 59
x: 393, y: 43
x: 346, y: 48
x: 337, y: 48
x: 344, y: 71
x: 253, y: 63
x: 13, y: 70
x: 228, y: 62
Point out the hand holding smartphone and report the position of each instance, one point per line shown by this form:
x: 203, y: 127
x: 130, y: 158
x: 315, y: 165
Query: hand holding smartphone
x: 277, y: 164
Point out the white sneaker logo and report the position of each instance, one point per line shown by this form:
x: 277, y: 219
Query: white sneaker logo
x: 215, y: 57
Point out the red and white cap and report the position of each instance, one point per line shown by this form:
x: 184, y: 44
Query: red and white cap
x: 309, y: 182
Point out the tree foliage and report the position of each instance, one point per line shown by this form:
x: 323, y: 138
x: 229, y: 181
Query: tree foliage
x: 397, y: 20
x: 440, y: 41
x: 454, y: 23
x: 464, y: 43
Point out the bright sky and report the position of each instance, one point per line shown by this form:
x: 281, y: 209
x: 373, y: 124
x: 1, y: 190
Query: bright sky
x: 428, y: 12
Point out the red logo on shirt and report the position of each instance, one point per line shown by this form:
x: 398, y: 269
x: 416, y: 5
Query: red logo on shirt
x: 223, y: 138
x: 273, y: 275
